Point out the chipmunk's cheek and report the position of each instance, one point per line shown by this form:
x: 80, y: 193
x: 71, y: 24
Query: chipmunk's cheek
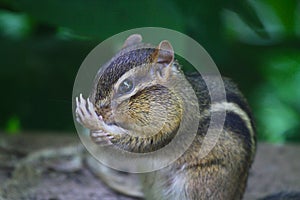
x: 122, y: 122
x: 120, y: 116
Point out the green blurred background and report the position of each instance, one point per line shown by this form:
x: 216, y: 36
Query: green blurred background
x: 43, y: 43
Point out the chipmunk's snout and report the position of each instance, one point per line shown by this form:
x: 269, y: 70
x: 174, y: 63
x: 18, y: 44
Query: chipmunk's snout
x: 106, y: 113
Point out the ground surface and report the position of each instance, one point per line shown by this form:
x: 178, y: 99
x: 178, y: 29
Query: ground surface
x: 276, y: 168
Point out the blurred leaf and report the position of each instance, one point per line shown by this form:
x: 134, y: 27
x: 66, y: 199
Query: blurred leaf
x: 101, y: 19
x: 248, y: 14
x: 67, y: 34
x: 274, y: 117
x: 285, y: 11
x: 277, y: 107
x: 13, y: 125
x: 14, y: 25
x: 282, y: 71
x: 280, y: 20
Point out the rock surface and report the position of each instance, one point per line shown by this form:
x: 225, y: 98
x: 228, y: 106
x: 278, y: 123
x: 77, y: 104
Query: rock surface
x: 276, y: 168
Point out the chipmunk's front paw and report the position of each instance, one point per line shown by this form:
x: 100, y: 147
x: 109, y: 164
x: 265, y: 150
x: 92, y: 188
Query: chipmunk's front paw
x: 86, y: 114
x: 100, y: 137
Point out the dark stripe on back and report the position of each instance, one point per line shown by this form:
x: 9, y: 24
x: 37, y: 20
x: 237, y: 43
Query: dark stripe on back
x: 234, y: 123
x: 200, y: 89
x: 233, y: 95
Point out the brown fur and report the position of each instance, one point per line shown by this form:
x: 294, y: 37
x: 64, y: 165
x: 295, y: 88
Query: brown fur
x: 222, y: 174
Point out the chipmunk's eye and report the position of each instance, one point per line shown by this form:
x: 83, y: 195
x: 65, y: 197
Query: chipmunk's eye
x: 125, y: 86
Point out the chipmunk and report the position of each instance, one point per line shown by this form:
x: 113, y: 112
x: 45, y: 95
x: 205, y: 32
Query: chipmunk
x: 136, y: 81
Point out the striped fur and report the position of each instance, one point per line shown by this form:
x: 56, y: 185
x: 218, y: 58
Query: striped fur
x: 223, y: 173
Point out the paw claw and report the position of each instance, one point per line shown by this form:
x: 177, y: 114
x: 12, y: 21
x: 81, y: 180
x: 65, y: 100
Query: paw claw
x: 77, y: 103
x: 86, y: 114
x: 101, y: 138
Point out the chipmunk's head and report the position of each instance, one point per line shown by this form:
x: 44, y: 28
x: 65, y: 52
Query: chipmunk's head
x: 134, y: 92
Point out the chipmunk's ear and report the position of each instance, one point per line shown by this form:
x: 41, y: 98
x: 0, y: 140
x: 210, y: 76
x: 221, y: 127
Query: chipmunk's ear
x: 165, y: 57
x: 132, y: 39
